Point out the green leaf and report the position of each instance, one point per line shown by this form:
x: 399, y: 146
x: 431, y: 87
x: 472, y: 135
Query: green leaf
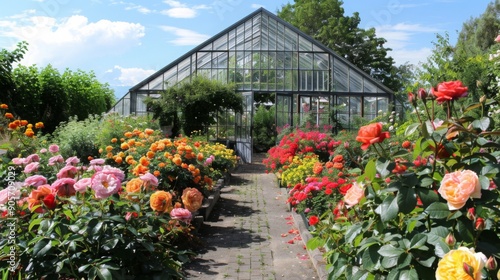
x: 484, y: 181
x: 370, y: 171
x: 418, y: 241
x: 407, y: 200
x: 482, y: 123
x: 34, y: 223
x: 383, y: 168
x: 41, y: 248
x: 428, y: 262
x: 69, y: 214
x: 371, y: 258
x: 427, y: 196
x: 315, y: 242
x: 390, y: 251
x: 441, y: 248
x: 426, y: 181
x: 438, y: 210
x: 388, y: 209
x: 408, y: 274
x: 389, y: 262
x: 411, y: 129
x: 103, y: 273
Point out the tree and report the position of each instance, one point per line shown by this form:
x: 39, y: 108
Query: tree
x: 7, y: 59
x: 194, y: 105
x: 324, y: 20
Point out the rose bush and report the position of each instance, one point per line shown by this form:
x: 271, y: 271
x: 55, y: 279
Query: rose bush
x: 414, y: 209
x: 65, y: 220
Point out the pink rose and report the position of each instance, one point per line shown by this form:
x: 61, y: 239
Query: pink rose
x: 69, y: 171
x: 104, y: 184
x: 181, y: 214
x: 53, y: 148
x: 31, y: 158
x: 457, y: 187
x: 149, y: 179
x: 64, y: 186
x: 82, y: 185
x: 354, y: 195
x: 31, y: 167
x: 118, y: 173
x: 18, y: 161
x: 97, y: 161
x: 56, y: 159
x: 35, y: 181
x: 72, y: 161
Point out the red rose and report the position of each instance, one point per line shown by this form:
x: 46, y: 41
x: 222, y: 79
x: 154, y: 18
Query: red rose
x: 449, y: 91
x: 313, y: 220
x: 370, y: 134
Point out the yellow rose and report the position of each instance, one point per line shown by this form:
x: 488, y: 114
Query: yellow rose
x: 454, y: 264
x: 192, y: 199
x: 457, y: 187
x: 161, y: 201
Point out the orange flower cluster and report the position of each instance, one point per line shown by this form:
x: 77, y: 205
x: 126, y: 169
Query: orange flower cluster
x: 21, y: 126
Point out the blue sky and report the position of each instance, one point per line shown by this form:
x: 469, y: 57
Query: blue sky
x: 124, y: 42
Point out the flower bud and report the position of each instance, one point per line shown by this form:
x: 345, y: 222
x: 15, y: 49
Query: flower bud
x: 422, y: 94
x: 471, y: 214
x: 469, y: 270
x: 412, y: 99
x: 346, y: 144
x: 479, y: 225
x: 450, y: 240
x: 491, y: 263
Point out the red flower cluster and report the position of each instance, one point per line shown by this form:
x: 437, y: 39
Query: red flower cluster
x: 299, y: 142
x: 314, y: 186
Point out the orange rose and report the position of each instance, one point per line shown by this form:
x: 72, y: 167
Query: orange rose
x: 354, y: 195
x: 449, y: 91
x: 4, y: 106
x: 9, y: 116
x: 370, y: 134
x: 457, y: 187
x: 134, y: 185
x: 43, y: 195
x: 454, y: 264
x: 192, y: 199
x: 161, y: 201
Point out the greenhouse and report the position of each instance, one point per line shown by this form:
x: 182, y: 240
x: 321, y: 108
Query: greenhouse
x: 264, y: 55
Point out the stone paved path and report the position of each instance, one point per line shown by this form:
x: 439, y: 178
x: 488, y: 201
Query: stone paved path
x: 251, y: 234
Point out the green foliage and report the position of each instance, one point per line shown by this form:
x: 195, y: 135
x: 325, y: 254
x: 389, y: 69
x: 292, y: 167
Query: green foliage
x: 194, y: 105
x: 7, y: 61
x: 264, y: 128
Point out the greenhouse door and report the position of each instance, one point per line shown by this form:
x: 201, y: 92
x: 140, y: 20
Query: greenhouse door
x: 244, y: 145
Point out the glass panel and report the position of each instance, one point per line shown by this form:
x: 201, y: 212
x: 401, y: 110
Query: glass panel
x: 157, y: 84
x: 306, y: 80
x: 369, y: 87
x: 221, y: 60
x: 280, y: 79
x: 240, y: 62
x: 232, y: 60
x: 320, y: 81
x: 272, y: 34
x: 248, y: 30
x: 290, y: 40
x: 126, y: 106
x: 305, y: 61
x: 204, y: 59
x: 295, y: 80
x: 184, y: 69
x: 288, y: 59
x: 221, y: 43
x: 222, y: 75
x: 171, y: 76
x: 248, y: 59
x: 208, y: 47
x: 321, y: 61
x: 247, y: 79
x: 304, y: 44
x: 141, y: 106
x: 232, y: 39
x: 271, y: 79
x: 369, y: 108
x: 240, y: 37
x: 382, y: 105
x: 340, y: 76
x: 288, y: 80
x: 355, y: 82
x: 355, y: 107
x: 283, y: 111
x: 280, y: 37
x: 206, y: 73
x: 264, y: 61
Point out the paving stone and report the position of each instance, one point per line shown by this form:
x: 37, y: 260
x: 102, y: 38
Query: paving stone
x: 242, y: 238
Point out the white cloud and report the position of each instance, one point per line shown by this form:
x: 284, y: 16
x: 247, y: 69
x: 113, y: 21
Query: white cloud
x: 401, y: 38
x: 256, y: 6
x: 139, y: 8
x: 61, y: 42
x: 129, y: 76
x: 185, y: 37
x: 181, y: 12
